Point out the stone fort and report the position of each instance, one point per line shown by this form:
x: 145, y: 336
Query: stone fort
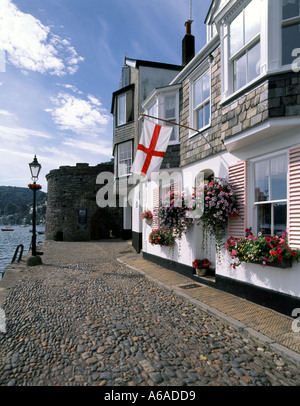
x: 72, y: 211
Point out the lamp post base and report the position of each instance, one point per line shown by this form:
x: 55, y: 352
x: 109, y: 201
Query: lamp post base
x: 34, y: 261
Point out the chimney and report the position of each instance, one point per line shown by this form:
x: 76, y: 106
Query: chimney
x: 188, y: 44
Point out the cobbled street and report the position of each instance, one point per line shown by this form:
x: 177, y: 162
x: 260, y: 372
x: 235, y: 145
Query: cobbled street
x: 84, y: 319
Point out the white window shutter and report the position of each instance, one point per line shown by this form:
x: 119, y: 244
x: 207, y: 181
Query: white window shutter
x: 155, y: 222
x: 294, y: 198
x: 176, y: 187
x: 237, y: 176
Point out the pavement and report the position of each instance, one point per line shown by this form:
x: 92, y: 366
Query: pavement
x: 266, y: 325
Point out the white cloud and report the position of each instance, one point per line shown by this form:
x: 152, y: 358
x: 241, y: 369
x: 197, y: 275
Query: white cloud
x: 78, y: 115
x: 30, y: 45
x: 97, y: 147
x: 19, y: 133
x: 7, y: 114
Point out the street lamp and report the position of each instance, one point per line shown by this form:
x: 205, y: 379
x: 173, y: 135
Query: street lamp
x: 35, y: 168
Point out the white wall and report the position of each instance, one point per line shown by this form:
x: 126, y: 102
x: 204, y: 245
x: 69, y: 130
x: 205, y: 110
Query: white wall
x: 190, y: 246
x: 281, y: 280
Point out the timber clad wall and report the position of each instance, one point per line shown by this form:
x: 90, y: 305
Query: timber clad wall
x: 237, y: 176
x: 294, y: 198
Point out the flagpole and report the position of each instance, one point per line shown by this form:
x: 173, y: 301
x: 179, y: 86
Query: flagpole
x: 180, y: 125
x: 170, y: 122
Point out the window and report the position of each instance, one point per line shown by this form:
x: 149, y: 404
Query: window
x: 170, y: 113
x: 244, y: 46
x: 290, y: 29
x: 124, y: 158
x: 271, y: 195
x: 125, y: 108
x: 164, y: 104
x: 201, y: 101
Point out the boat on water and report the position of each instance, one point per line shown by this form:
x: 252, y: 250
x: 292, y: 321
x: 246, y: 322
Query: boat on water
x: 7, y: 229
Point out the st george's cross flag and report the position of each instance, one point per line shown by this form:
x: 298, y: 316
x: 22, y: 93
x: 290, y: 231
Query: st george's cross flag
x: 152, y: 148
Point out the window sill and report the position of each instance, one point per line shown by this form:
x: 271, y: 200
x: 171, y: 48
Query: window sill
x: 199, y: 132
x: 234, y: 95
x: 225, y: 99
x: 123, y: 125
x: 171, y: 143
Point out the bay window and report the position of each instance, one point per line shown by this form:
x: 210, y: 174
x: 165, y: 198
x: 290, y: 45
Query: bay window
x: 290, y: 29
x: 164, y: 103
x: 244, y: 45
x: 270, y: 178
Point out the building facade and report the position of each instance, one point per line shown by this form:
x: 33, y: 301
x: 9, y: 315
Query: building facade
x: 238, y: 105
x: 138, y: 79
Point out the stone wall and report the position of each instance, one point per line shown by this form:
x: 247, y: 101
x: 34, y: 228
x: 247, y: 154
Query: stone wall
x: 71, y: 192
x: 276, y: 97
x: 272, y: 97
x: 208, y: 142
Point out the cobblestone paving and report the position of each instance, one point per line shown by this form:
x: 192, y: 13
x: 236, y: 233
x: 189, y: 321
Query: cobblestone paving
x: 84, y: 319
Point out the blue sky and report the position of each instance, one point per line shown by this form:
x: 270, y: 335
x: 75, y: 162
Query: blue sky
x: 60, y: 62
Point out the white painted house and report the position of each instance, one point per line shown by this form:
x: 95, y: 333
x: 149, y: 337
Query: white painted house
x: 238, y: 104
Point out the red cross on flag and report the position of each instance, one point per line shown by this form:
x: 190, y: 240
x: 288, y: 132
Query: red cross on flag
x: 152, y: 148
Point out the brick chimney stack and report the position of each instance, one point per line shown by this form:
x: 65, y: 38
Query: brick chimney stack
x: 188, y: 44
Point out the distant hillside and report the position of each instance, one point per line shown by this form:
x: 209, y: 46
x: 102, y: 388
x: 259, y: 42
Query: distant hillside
x: 16, y: 202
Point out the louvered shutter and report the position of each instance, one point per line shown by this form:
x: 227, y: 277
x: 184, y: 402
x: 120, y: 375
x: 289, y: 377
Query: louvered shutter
x: 155, y: 222
x: 237, y: 176
x: 294, y: 198
x: 176, y: 188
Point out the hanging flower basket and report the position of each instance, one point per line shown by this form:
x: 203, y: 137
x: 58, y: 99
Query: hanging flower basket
x: 34, y: 186
x: 220, y: 202
x: 147, y: 216
x: 173, y: 214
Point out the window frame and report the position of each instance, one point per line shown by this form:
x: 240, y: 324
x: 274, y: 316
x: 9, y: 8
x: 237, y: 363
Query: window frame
x: 118, y: 162
x: 286, y: 23
x: 156, y: 103
x: 243, y: 50
x: 200, y: 73
x: 119, y: 97
x: 266, y: 46
x: 251, y: 193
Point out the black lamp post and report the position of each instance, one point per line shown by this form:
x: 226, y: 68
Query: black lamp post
x: 35, y: 168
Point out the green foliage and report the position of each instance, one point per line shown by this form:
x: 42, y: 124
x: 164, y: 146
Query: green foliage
x: 17, y: 201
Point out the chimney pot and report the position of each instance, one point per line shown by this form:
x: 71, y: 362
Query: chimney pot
x: 188, y: 44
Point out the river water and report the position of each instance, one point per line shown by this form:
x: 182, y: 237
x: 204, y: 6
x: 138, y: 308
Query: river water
x: 9, y: 240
